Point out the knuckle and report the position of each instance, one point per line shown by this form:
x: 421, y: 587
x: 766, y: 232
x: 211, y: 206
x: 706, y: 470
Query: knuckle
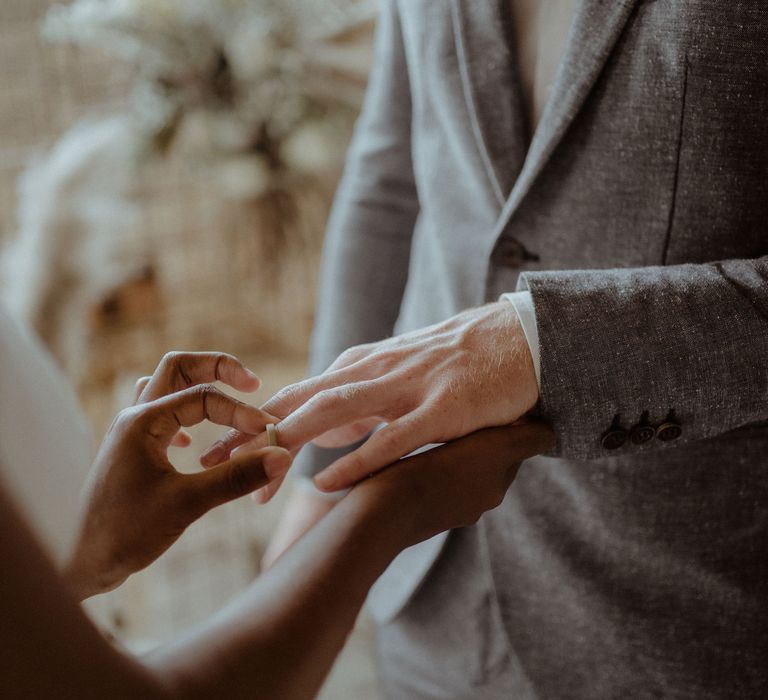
x: 388, y: 439
x: 123, y: 419
x: 210, y: 397
x: 127, y: 419
x: 355, y: 466
x: 224, y: 364
x: 171, y: 359
x: 324, y: 400
x: 352, y: 354
x: 445, y: 391
x: 286, y: 395
x: 176, y: 365
x: 388, y: 359
x: 345, y: 357
x: 343, y: 393
x: 349, y: 392
x: 206, y: 390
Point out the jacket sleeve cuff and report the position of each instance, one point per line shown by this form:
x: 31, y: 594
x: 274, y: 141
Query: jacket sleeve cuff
x: 641, y: 359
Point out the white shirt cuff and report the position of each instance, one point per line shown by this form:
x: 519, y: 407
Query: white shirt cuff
x: 526, y: 312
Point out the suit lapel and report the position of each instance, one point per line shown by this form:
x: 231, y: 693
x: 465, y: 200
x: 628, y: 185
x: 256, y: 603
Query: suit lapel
x: 596, y: 28
x: 490, y: 85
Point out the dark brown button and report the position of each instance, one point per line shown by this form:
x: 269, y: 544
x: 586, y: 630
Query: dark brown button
x: 642, y: 433
x: 512, y: 253
x: 614, y: 439
x: 669, y: 431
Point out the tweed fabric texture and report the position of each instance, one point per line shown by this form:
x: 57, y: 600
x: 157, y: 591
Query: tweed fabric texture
x: 636, y: 218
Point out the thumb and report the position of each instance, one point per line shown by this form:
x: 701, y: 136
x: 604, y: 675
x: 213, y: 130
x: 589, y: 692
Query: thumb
x: 239, y: 476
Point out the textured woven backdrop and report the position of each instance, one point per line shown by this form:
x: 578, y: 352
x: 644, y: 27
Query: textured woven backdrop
x: 209, y: 274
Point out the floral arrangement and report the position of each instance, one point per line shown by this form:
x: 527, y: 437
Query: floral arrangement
x: 253, y: 92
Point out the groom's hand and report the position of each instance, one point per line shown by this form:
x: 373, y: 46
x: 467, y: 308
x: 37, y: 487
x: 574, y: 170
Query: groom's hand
x: 473, y: 371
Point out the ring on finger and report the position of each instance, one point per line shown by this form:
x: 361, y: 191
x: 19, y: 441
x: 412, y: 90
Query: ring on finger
x: 272, y: 435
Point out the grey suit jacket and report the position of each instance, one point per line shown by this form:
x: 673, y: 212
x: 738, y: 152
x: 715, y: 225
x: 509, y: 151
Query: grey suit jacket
x: 637, y: 219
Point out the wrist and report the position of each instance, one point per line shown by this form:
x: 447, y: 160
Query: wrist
x: 383, y: 504
x: 79, y: 581
x: 86, y: 577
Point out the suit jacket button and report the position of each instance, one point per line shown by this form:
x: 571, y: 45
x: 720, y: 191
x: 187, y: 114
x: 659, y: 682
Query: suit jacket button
x: 641, y: 434
x: 512, y: 253
x: 669, y: 431
x: 614, y: 439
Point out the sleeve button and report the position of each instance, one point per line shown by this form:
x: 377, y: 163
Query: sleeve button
x: 643, y: 432
x: 670, y: 429
x: 615, y: 437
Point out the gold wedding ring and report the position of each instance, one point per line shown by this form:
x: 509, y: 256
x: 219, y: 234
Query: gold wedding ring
x: 272, y: 434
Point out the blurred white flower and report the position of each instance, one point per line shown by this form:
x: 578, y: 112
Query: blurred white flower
x: 232, y: 78
x: 252, y: 52
x: 204, y: 136
x: 241, y: 177
x: 313, y: 147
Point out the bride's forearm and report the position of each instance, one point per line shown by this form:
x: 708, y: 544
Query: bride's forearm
x: 282, y: 636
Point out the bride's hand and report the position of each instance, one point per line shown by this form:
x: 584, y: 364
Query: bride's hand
x: 450, y: 486
x: 136, y: 505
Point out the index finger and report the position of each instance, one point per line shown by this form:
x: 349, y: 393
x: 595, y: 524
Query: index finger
x: 182, y: 370
x: 334, y: 408
x: 203, y: 402
x: 293, y: 396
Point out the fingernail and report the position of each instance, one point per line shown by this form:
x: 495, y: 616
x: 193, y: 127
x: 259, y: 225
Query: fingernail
x: 214, y: 455
x: 251, y: 375
x: 326, y: 482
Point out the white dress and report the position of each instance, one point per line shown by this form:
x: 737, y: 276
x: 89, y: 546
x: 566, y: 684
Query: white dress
x: 45, y: 442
